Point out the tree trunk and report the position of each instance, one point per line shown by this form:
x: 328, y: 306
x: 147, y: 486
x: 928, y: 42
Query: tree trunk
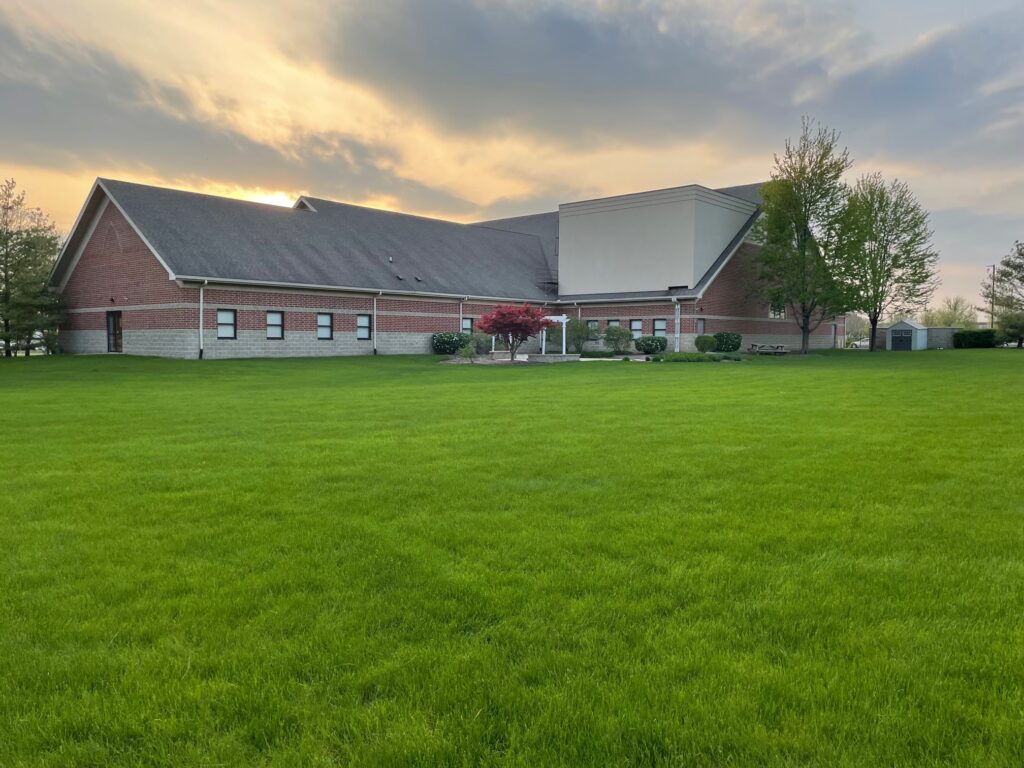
x: 805, y: 337
x: 7, y: 338
x: 874, y: 331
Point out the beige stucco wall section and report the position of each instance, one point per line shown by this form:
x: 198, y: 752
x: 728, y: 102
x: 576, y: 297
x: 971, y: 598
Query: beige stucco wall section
x: 645, y: 241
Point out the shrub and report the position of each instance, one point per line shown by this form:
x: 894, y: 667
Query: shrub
x: 481, y: 342
x: 619, y: 339
x: 728, y: 356
x: 706, y: 343
x: 467, y: 352
x: 690, y: 357
x: 650, y: 345
x: 448, y: 342
x: 726, y: 341
x: 983, y: 337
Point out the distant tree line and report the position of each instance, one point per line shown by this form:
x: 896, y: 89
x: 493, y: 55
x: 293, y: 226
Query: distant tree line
x: 29, y: 243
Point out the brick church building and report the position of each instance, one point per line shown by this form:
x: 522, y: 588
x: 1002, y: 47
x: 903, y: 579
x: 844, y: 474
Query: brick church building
x: 154, y: 271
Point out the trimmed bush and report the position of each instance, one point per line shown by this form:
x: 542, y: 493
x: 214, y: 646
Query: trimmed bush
x: 467, y: 352
x: 448, y: 343
x: 481, y: 342
x: 651, y: 345
x: 981, y: 338
x: 618, y: 339
x: 706, y: 343
x: 691, y: 357
x: 727, y: 341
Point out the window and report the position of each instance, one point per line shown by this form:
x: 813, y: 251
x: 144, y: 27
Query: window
x: 467, y: 325
x: 637, y: 327
x: 226, y: 324
x: 364, y: 327
x: 613, y: 323
x: 275, y: 325
x: 661, y: 328
x: 592, y: 325
x: 700, y: 326
x: 777, y: 311
x: 325, y: 326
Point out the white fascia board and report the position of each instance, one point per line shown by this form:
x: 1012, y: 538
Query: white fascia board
x: 726, y: 260
x: 350, y: 289
x: 170, y: 272
x: 82, y: 243
x: 71, y: 233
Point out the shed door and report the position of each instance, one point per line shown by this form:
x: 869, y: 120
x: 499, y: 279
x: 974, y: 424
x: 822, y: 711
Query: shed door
x: 902, y: 340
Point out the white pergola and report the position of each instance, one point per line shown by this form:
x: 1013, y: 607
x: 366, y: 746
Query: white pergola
x: 563, y: 319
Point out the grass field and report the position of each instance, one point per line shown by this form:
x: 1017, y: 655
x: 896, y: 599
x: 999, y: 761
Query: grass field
x: 388, y: 561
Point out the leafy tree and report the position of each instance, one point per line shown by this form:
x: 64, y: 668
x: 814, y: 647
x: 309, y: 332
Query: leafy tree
x: 28, y: 246
x: 1012, y: 324
x: 1006, y: 292
x: 578, y: 333
x: 888, y: 260
x: 618, y: 338
x: 953, y: 312
x: 514, y: 324
x: 798, y: 229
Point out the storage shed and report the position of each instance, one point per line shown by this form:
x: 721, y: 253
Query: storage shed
x: 906, y: 336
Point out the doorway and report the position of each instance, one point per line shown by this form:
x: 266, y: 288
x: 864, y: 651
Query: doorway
x: 114, y: 332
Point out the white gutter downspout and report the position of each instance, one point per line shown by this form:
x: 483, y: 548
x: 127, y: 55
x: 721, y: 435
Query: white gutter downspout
x: 675, y: 301
x: 202, y: 313
x: 373, y: 330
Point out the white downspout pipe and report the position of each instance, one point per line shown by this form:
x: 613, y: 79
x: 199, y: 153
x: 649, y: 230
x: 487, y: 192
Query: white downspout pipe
x: 202, y: 313
x: 675, y: 301
x: 459, y: 329
x: 373, y: 329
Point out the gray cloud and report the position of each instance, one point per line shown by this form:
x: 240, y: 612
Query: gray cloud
x: 953, y: 99
x: 569, y: 74
x: 73, y: 107
x: 565, y: 73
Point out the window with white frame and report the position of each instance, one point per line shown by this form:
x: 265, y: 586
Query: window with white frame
x: 700, y: 326
x: 636, y: 327
x: 325, y: 326
x: 226, y: 324
x: 592, y: 325
x: 613, y: 323
x: 364, y: 327
x: 467, y: 325
x: 275, y: 325
x: 661, y: 327
x: 777, y: 311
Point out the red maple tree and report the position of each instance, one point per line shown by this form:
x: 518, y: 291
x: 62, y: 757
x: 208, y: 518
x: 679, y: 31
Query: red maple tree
x: 514, y: 324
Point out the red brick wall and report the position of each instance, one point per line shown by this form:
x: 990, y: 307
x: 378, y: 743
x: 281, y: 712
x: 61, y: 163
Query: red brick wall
x: 116, y: 269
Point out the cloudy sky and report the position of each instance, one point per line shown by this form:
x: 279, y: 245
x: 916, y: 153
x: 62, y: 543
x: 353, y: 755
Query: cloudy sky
x: 471, y: 109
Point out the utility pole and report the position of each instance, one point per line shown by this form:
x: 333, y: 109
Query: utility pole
x: 992, y: 298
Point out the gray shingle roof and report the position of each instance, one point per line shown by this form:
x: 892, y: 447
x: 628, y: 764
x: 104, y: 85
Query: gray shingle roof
x: 329, y: 244
x: 542, y: 225
x: 339, y: 245
x: 749, y: 192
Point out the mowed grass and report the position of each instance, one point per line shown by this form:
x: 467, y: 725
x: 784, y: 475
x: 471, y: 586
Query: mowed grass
x: 389, y: 561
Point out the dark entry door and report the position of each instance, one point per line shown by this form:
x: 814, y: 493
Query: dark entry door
x: 113, y: 331
x: 901, y: 341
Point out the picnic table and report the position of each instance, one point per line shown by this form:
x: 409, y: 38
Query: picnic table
x: 768, y: 349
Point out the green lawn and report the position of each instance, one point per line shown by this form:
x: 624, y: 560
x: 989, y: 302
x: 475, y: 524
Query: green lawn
x: 388, y: 561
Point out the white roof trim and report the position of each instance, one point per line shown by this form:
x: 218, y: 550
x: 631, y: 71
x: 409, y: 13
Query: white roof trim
x: 170, y: 272
x: 725, y: 261
x: 82, y: 244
